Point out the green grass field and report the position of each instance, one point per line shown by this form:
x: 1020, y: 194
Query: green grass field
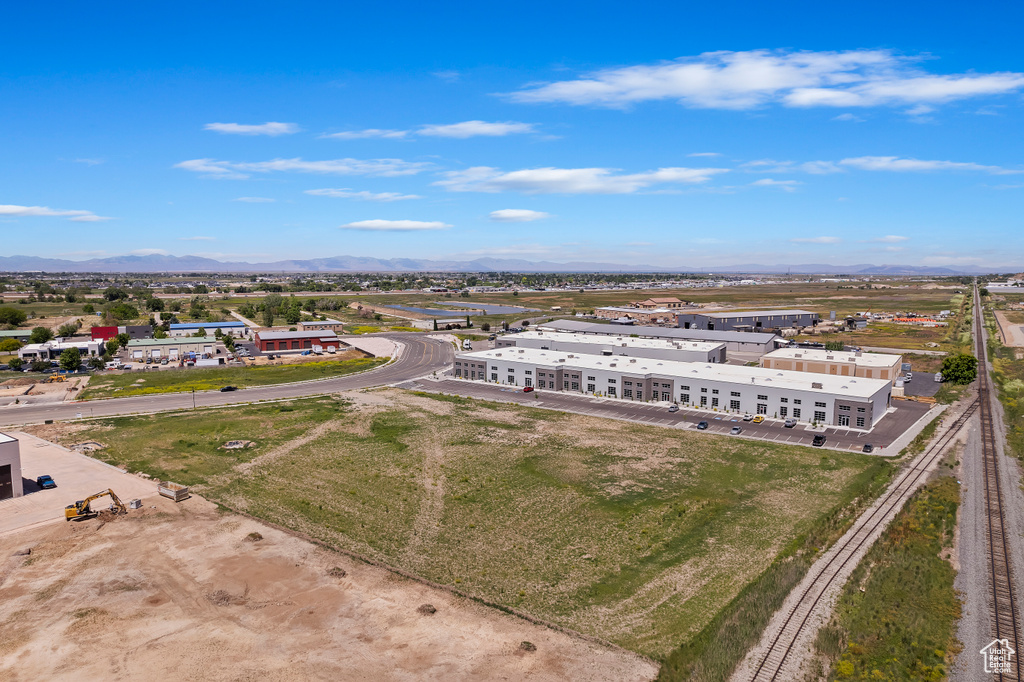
x: 184, y: 380
x: 896, y: 618
x: 639, y: 535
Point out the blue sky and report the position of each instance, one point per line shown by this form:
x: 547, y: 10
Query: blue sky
x: 632, y: 133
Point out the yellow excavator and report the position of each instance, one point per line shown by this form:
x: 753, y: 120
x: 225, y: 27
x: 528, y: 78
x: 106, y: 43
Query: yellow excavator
x: 83, y: 509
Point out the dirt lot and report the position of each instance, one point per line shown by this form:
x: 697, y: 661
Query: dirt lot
x: 1012, y: 331
x: 183, y: 589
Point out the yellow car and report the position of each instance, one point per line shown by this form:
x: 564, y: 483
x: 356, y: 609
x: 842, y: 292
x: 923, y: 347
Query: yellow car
x: 758, y: 419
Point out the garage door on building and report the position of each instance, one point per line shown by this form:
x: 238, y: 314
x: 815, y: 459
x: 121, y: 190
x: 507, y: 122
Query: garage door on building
x: 137, y: 354
x: 6, y: 482
x: 173, y: 353
x: 208, y: 350
x: 156, y: 353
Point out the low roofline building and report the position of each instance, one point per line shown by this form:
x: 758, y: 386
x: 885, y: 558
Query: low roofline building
x: 748, y: 320
x: 837, y: 363
x: 234, y: 328
x: 735, y: 342
x: 51, y: 350
x: 619, y: 346
x: 275, y: 341
x: 642, y: 315
x: 733, y: 389
x: 174, y: 349
x: 10, y: 467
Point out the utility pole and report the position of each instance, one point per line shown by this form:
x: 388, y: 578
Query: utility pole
x: 193, y: 398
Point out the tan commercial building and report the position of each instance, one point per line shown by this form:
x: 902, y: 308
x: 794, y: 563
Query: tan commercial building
x: 837, y: 363
x: 670, y: 302
x: 641, y: 315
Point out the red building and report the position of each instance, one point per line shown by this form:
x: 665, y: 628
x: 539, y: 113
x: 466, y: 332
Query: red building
x: 278, y: 341
x: 103, y: 333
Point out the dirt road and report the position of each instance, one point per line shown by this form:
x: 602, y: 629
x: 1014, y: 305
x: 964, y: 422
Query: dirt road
x: 180, y: 589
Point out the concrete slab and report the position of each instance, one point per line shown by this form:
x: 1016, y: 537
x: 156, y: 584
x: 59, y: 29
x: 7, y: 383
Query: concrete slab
x: 77, y: 477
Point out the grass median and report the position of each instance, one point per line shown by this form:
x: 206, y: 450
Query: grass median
x: 636, y: 534
x: 185, y: 380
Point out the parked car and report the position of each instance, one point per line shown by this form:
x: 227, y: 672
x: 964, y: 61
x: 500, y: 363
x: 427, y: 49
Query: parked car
x: 528, y: 389
x: 758, y: 419
x: 938, y: 377
x: 790, y: 423
x: 868, y: 447
x: 164, y: 361
x: 673, y: 408
x: 46, y: 482
x: 736, y: 430
x: 702, y: 426
x: 228, y: 389
x: 908, y: 377
x: 748, y: 417
x: 819, y: 440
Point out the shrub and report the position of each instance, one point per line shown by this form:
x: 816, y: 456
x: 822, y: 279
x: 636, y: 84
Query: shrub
x: 9, y: 315
x: 40, y: 335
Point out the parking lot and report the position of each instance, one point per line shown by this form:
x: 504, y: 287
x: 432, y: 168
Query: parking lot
x: 77, y: 476
x: 904, y: 419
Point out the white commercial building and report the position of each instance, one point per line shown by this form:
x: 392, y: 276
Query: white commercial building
x: 825, y: 399
x: 836, y: 363
x: 739, y: 342
x: 625, y: 345
x: 51, y: 350
x: 10, y: 467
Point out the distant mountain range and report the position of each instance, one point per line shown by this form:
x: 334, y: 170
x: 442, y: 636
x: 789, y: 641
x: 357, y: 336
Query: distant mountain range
x: 178, y: 264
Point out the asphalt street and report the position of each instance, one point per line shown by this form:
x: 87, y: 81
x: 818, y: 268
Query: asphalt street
x: 419, y: 357
x: 885, y: 432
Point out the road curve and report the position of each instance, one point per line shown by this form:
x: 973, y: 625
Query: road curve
x: 419, y: 356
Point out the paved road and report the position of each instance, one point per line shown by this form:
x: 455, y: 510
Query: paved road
x: 885, y: 432
x: 419, y: 356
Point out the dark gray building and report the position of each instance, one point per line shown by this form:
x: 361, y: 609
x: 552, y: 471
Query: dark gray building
x: 749, y: 320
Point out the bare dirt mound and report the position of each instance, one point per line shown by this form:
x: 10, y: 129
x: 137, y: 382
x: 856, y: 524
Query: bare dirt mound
x: 186, y: 588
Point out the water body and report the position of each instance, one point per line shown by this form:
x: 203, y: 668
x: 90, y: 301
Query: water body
x: 434, y: 312
x: 492, y: 309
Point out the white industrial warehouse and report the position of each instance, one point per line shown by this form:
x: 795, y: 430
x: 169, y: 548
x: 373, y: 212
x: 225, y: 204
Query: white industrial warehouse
x: 853, y: 402
x: 663, y: 349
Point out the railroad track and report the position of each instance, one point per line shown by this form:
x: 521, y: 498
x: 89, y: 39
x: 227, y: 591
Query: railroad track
x: 1003, y: 604
x: 772, y: 662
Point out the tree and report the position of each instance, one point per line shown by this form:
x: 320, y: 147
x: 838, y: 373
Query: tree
x: 15, y: 363
x: 69, y: 329
x: 115, y: 294
x: 292, y: 316
x: 983, y: 292
x: 155, y: 304
x: 159, y: 333
x: 124, y: 311
x: 70, y: 297
x: 201, y: 332
x: 96, y: 362
x: 40, y: 365
x: 40, y: 335
x: 486, y: 326
x: 122, y: 340
x: 112, y: 346
x: 834, y: 345
x: 435, y: 324
x: 525, y: 323
x: 515, y: 293
x: 9, y: 345
x: 268, y: 317
x: 88, y: 309
x: 9, y: 315
x: 961, y: 368
x: 70, y: 359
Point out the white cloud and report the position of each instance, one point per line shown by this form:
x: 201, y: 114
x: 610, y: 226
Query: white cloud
x: 346, y: 193
x: 816, y: 240
x: 744, y: 80
x: 568, y: 180
x: 43, y: 211
x: 772, y: 166
x: 476, y: 129
x: 920, y: 110
x: 896, y: 164
x: 255, y: 200
x: 463, y: 130
x: 449, y: 76
x: 848, y: 117
x: 231, y: 170
x: 890, y: 239
x: 271, y: 128
x: 394, y: 225
x: 704, y: 154
x: 149, y: 252
x: 90, y: 162
x: 517, y: 215
x: 784, y: 185
x: 368, y: 133
x: 196, y: 239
